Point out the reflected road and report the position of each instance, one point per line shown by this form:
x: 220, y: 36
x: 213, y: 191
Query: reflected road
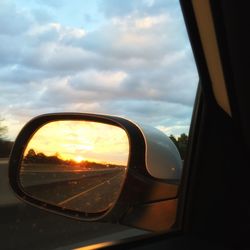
x: 86, y: 191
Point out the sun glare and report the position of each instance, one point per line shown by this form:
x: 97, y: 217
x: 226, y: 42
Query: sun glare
x: 79, y: 158
x: 81, y: 141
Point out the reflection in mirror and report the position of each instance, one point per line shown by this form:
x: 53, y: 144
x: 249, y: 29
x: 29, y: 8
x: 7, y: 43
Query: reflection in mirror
x: 77, y: 165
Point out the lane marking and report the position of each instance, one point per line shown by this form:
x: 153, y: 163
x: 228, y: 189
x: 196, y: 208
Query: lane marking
x: 86, y: 191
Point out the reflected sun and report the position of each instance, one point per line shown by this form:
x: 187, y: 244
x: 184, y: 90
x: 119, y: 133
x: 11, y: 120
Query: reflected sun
x: 81, y: 141
x: 79, y: 158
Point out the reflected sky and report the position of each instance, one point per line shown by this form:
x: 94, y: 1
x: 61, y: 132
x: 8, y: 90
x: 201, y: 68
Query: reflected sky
x: 82, y: 141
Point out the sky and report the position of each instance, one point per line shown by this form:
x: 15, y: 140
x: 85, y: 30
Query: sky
x: 128, y: 58
x: 82, y: 141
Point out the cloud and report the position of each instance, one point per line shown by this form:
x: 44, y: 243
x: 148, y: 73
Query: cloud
x: 42, y: 16
x: 114, y: 8
x: 98, y: 80
x: 61, y: 33
x: 59, y: 58
x: 136, y: 37
x: 13, y: 21
x: 136, y: 63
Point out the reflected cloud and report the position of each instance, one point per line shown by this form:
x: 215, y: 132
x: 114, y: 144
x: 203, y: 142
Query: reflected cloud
x: 76, y: 140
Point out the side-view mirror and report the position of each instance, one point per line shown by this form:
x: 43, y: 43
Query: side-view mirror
x: 97, y: 168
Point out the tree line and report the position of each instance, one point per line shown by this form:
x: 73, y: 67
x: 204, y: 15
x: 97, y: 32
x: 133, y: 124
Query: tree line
x: 40, y: 158
x: 181, y: 143
x: 5, y: 144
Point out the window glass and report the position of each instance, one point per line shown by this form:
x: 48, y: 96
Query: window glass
x: 127, y: 58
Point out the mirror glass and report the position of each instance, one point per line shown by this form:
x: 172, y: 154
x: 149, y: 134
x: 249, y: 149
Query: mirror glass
x: 77, y: 165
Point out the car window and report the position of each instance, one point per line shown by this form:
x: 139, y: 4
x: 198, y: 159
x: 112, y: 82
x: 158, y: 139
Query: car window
x: 127, y: 58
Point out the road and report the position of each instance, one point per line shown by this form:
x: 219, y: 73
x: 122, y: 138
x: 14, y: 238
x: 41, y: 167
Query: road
x: 85, y: 191
x: 25, y: 227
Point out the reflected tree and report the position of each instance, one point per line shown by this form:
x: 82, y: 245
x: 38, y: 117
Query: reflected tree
x: 3, y: 131
x: 31, y: 156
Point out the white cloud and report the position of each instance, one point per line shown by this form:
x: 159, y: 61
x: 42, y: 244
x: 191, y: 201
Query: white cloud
x: 64, y: 32
x: 125, y: 38
x: 136, y: 63
x: 53, y: 56
x: 149, y: 21
x: 13, y: 21
x: 92, y: 79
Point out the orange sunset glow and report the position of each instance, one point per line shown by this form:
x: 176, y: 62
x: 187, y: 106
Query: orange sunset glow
x: 82, y: 141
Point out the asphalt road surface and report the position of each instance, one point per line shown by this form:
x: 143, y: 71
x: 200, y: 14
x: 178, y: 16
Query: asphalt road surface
x: 85, y: 191
x: 25, y: 227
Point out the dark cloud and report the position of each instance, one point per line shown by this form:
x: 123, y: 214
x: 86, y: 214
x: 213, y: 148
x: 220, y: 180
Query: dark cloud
x: 18, y: 74
x: 171, y: 118
x: 150, y: 111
